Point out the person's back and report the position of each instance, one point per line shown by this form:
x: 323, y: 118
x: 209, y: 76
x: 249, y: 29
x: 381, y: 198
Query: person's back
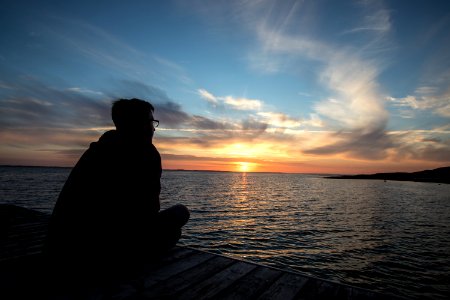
x: 107, y: 214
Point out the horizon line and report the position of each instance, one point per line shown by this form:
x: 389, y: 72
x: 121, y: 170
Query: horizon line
x: 180, y: 170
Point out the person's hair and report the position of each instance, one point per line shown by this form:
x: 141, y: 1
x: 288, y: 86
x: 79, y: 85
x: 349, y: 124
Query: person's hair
x: 130, y: 113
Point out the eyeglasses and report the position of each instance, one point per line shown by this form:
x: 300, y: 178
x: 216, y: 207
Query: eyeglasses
x: 155, y: 123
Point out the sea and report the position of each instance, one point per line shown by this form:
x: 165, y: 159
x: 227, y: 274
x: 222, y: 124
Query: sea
x: 388, y: 236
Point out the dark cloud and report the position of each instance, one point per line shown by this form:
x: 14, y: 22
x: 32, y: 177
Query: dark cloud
x: 432, y: 140
x: 31, y: 103
x: 200, y: 122
x: 33, y: 113
x: 136, y: 89
x: 254, y: 125
x: 439, y: 152
x: 376, y: 145
x: 434, y: 154
x: 171, y: 114
x: 365, y: 145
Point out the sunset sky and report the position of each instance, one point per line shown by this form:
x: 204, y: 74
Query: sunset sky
x: 286, y: 86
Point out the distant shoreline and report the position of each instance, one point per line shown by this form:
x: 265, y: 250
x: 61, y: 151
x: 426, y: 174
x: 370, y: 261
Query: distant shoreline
x: 439, y: 175
x: 169, y: 170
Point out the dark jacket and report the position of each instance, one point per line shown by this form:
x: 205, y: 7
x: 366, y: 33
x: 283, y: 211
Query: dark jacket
x: 107, y: 205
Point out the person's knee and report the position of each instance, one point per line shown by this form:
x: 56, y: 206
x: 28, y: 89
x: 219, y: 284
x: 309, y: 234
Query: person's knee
x: 182, y: 213
x: 175, y: 216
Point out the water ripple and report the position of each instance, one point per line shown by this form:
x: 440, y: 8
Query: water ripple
x: 391, y: 237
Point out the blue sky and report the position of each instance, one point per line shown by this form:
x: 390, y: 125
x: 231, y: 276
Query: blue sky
x: 295, y: 86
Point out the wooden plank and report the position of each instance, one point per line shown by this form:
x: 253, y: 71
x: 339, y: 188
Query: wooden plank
x: 309, y: 290
x: 285, y: 288
x: 212, y: 286
x: 172, y: 255
x: 344, y: 292
x: 176, y: 284
x: 175, y: 267
x: 329, y: 290
x: 322, y: 289
x: 252, y: 285
x: 362, y: 294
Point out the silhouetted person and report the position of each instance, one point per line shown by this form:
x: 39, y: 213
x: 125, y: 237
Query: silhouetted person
x: 107, y: 218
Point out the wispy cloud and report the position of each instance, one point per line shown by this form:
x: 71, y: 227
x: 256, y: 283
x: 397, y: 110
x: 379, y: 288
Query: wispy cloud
x: 375, y: 21
x: 280, y: 120
x: 109, y: 51
x: 262, y: 117
x: 31, y: 103
x: 35, y: 115
x: 425, y: 98
x: 243, y: 103
x: 237, y: 103
x: 425, y: 145
x: 355, y: 105
x: 208, y: 96
x: 39, y: 122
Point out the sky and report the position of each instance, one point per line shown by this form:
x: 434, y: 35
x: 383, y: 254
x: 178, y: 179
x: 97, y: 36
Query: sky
x: 318, y: 86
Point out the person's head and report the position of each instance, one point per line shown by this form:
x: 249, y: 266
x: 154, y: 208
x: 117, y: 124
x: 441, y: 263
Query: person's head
x: 133, y: 116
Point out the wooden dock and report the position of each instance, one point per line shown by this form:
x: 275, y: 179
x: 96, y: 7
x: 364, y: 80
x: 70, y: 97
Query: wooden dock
x: 183, y: 273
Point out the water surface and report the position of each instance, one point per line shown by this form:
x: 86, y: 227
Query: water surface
x: 392, y: 237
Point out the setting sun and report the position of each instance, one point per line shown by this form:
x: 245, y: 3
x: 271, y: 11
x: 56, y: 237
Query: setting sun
x: 244, y: 166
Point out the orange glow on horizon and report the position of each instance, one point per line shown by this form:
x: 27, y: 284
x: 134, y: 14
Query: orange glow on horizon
x: 318, y: 166
x: 245, y: 166
x: 235, y: 155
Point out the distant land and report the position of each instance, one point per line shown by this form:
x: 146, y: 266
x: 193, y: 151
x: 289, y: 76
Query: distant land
x: 170, y: 170
x: 439, y: 175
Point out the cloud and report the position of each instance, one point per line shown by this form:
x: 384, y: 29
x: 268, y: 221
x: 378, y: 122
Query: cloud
x: 376, y: 21
x: 279, y: 119
x: 356, y: 103
x: 206, y: 123
x: 92, y: 42
x: 426, y: 98
x: 236, y: 103
x: 37, y: 116
x: 33, y: 112
x: 208, y: 96
x: 102, y: 50
x: 169, y: 113
x: 242, y: 103
x: 314, y: 121
x: 31, y: 103
x: 425, y: 145
x: 262, y: 119
x: 361, y: 144
x: 355, y: 107
x: 84, y: 91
